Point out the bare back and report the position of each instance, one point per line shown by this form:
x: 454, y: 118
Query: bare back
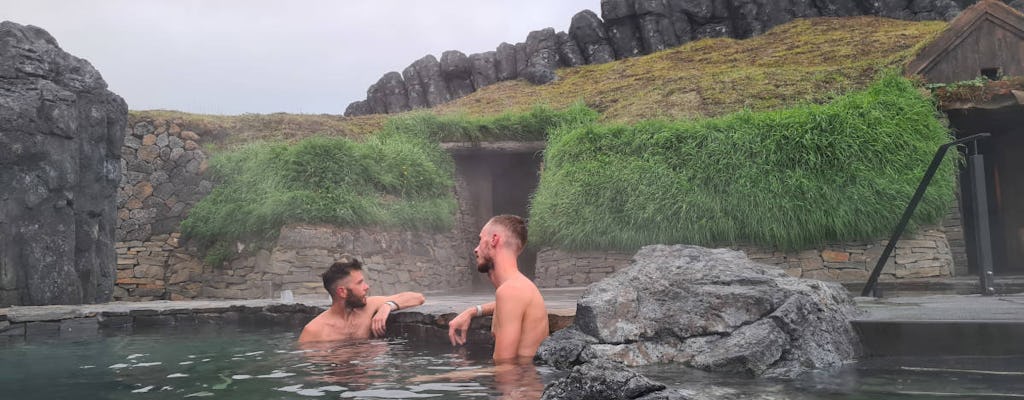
x: 527, y: 318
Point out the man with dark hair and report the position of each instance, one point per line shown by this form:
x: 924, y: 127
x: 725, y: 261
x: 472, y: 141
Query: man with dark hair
x: 520, y: 321
x: 353, y: 314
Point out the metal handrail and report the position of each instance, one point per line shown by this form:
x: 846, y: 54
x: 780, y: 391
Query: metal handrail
x: 869, y: 287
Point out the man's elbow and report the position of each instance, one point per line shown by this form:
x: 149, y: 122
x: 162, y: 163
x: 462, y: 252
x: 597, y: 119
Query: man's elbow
x: 417, y: 298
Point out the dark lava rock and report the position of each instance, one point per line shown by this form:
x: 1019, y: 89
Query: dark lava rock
x: 505, y: 62
x: 657, y: 32
x: 699, y: 10
x: 712, y: 309
x: 712, y: 30
x: 457, y: 72
x: 598, y: 380
x: 587, y: 30
x: 375, y: 98
x: 569, y: 54
x: 414, y: 87
x: 837, y: 8
x: 624, y: 36
x: 61, y: 133
x: 522, y: 59
x: 358, y: 107
x: 396, y: 98
x: 483, y: 69
x: 433, y: 83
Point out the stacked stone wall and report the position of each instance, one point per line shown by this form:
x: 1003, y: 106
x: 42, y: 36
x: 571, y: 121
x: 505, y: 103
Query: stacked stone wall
x: 923, y: 255
x: 163, y: 164
x: 393, y: 261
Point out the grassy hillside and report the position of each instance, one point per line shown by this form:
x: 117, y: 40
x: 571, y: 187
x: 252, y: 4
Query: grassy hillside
x: 807, y: 60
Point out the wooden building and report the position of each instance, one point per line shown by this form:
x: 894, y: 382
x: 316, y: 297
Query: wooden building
x: 987, y: 40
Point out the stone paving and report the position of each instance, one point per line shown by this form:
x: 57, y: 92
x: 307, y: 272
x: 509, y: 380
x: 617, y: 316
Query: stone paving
x: 944, y: 308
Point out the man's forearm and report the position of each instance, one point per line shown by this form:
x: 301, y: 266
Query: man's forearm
x: 481, y: 310
x: 407, y: 299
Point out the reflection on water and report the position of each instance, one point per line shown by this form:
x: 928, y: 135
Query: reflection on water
x: 228, y: 363
x: 879, y: 378
x: 268, y: 364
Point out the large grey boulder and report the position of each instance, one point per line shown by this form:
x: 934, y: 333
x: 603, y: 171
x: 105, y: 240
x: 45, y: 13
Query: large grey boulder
x: 457, y: 72
x: 375, y: 98
x: 542, y: 52
x: 569, y: 54
x: 899, y: 9
x: 837, y: 8
x: 484, y: 72
x: 61, y: 133
x: 699, y: 10
x: 588, y: 32
x: 712, y: 309
x: 505, y: 62
x: 522, y: 58
x: 621, y: 25
x: 433, y: 83
x: 396, y: 97
x: 357, y: 108
x: 414, y: 88
x: 657, y: 31
x: 926, y: 10
x: 754, y: 17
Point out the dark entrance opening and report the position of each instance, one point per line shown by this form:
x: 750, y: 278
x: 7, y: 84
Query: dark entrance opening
x: 1004, y: 176
x: 496, y: 178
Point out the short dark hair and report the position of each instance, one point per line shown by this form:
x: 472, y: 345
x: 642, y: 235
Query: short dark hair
x: 515, y: 225
x: 341, y: 269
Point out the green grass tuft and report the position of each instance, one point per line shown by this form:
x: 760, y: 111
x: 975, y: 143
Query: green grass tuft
x: 393, y: 180
x: 792, y: 178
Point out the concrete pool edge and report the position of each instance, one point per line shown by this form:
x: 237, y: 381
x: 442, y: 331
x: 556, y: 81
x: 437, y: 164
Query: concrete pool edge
x: 75, y: 322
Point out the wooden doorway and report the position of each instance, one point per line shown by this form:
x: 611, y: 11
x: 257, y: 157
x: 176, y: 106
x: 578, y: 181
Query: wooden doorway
x: 1004, y: 181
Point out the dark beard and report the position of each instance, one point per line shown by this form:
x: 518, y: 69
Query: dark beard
x: 486, y: 267
x: 352, y: 302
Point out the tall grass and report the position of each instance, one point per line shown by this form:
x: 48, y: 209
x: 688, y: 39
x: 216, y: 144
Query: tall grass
x: 791, y: 178
x: 389, y: 180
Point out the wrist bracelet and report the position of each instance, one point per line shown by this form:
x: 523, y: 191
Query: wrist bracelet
x: 394, y: 306
x: 479, y: 310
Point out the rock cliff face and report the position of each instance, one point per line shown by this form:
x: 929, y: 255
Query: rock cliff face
x: 629, y: 28
x: 61, y: 133
x: 711, y: 309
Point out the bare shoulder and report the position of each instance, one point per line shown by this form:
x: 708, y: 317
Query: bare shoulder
x: 313, y: 330
x: 516, y: 288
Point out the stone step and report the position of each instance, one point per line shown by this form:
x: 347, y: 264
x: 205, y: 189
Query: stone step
x: 950, y: 325
x: 963, y: 285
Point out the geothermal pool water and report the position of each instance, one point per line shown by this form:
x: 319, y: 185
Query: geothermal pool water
x: 250, y: 364
x: 232, y: 362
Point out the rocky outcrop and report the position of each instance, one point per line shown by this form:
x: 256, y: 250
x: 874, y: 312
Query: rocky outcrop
x: 60, y: 148
x: 630, y: 28
x: 591, y: 38
x: 457, y: 72
x: 712, y: 309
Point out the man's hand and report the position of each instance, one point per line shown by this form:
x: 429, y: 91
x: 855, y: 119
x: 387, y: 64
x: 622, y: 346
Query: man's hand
x: 380, y: 319
x: 458, y: 327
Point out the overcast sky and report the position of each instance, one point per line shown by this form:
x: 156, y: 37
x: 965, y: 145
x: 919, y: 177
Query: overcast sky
x: 259, y: 56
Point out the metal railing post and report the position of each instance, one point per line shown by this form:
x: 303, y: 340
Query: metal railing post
x: 869, y: 287
x: 982, y: 235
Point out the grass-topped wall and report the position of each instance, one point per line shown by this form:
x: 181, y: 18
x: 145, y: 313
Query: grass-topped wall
x: 791, y: 178
x: 532, y: 125
x: 396, y: 178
